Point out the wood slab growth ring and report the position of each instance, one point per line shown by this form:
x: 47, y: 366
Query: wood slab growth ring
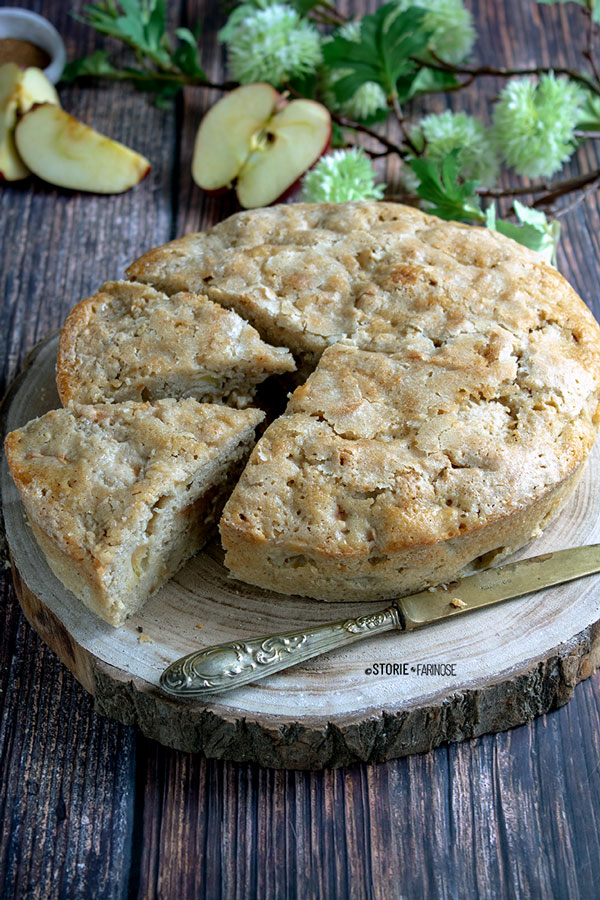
x: 387, y: 697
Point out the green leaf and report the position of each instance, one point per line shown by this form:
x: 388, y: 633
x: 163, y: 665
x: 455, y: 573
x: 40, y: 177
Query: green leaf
x: 589, y: 116
x: 428, y: 81
x: 187, y: 55
x: 535, y: 231
x: 337, y: 137
x: 305, y: 85
x: 141, y: 24
x: 305, y: 6
x: 96, y: 64
x: 594, y: 5
x: 383, y: 54
x: 440, y: 187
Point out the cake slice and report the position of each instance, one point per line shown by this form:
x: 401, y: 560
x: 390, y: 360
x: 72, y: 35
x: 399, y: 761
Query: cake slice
x: 389, y: 473
x: 131, y: 342
x: 120, y: 495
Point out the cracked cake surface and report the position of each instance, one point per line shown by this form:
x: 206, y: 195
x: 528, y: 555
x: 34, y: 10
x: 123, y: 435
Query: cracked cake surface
x: 120, y: 495
x: 453, y: 400
x: 131, y: 342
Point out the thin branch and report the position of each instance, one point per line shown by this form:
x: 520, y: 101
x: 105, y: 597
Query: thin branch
x: 550, y: 189
x: 591, y: 179
x: 394, y: 104
x: 343, y: 122
x: 583, y: 195
x: 326, y: 14
x: 500, y: 72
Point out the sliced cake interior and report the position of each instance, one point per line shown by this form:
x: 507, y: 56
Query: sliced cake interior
x: 392, y: 472
x: 131, y: 342
x: 120, y: 495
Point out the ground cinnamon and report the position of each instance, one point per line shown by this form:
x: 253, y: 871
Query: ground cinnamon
x: 23, y: 53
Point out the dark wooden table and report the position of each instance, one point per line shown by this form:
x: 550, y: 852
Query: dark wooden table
x: 88, y: 807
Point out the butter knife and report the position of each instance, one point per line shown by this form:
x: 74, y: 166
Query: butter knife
x: 223, y: 667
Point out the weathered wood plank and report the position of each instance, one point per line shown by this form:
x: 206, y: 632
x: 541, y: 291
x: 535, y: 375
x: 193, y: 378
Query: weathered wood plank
x: 68, y: 775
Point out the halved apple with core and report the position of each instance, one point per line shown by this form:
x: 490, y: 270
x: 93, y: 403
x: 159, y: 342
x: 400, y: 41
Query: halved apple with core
x: 19, y: 90
x: 254, y: 137
x: 65, y: 152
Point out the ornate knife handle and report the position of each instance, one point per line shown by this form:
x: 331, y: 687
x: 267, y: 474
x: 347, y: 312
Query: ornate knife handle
x: 226, y: 666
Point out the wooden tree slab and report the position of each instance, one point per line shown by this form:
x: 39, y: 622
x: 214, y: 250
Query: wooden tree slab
x: 372, y: 701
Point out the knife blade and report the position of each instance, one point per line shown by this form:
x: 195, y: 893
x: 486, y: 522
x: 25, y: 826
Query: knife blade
x: 234, y: 663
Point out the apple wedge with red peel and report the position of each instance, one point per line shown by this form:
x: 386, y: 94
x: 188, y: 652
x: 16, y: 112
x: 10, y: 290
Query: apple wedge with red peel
x: 256, y: 138
x: 12, y: 167
x: 65, y: 152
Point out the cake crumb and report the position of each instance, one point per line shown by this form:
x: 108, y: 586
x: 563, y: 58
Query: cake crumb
x: 457, y: 603
x: 199, y: 625
x: 144, y: 639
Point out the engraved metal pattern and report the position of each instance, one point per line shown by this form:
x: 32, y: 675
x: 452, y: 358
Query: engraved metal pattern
x: 226, y: 666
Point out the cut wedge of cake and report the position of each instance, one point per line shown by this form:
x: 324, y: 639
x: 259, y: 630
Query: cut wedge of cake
x: 392, y: 472
x: 131, y: 342
x: 120, y: 495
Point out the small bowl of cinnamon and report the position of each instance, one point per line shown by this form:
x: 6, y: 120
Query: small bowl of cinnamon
x: 30, y: 40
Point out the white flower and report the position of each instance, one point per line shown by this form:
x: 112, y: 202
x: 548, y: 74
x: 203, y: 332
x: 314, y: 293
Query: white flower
x: 440, y: 134
x: 340, y: 176
x: 534, y: 122
x: 451, y: 25
x: 272, y: 44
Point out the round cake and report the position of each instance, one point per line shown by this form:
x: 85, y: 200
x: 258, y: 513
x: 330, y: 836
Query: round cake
x: 449, y: 386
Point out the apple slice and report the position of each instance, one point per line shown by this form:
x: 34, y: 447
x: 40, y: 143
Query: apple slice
x: 292, y: 142
x: 12, y: 167
x: 225, y: 135
x: 255, y: 136
x: 65, y: 152
x: 34, y: 88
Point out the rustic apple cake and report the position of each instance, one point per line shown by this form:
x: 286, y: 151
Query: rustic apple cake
x: 120, y: 495
x: 446, y: 428
x: 453, y: 401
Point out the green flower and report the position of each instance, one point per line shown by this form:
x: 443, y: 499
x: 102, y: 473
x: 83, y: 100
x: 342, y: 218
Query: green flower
x: 440, y: 134
x: 451, y: 26
x: 270, y: 44
x: 339, y: 176
x: 534, y: 122
x: 370, y: 97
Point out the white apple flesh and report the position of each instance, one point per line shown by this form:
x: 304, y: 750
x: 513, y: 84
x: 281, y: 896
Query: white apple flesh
x: 69, y: 154
x: 253, y: 136
x: 223, y: 140
x: 34, y: 88
x: 20, y: 89
x: 12, y: 167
